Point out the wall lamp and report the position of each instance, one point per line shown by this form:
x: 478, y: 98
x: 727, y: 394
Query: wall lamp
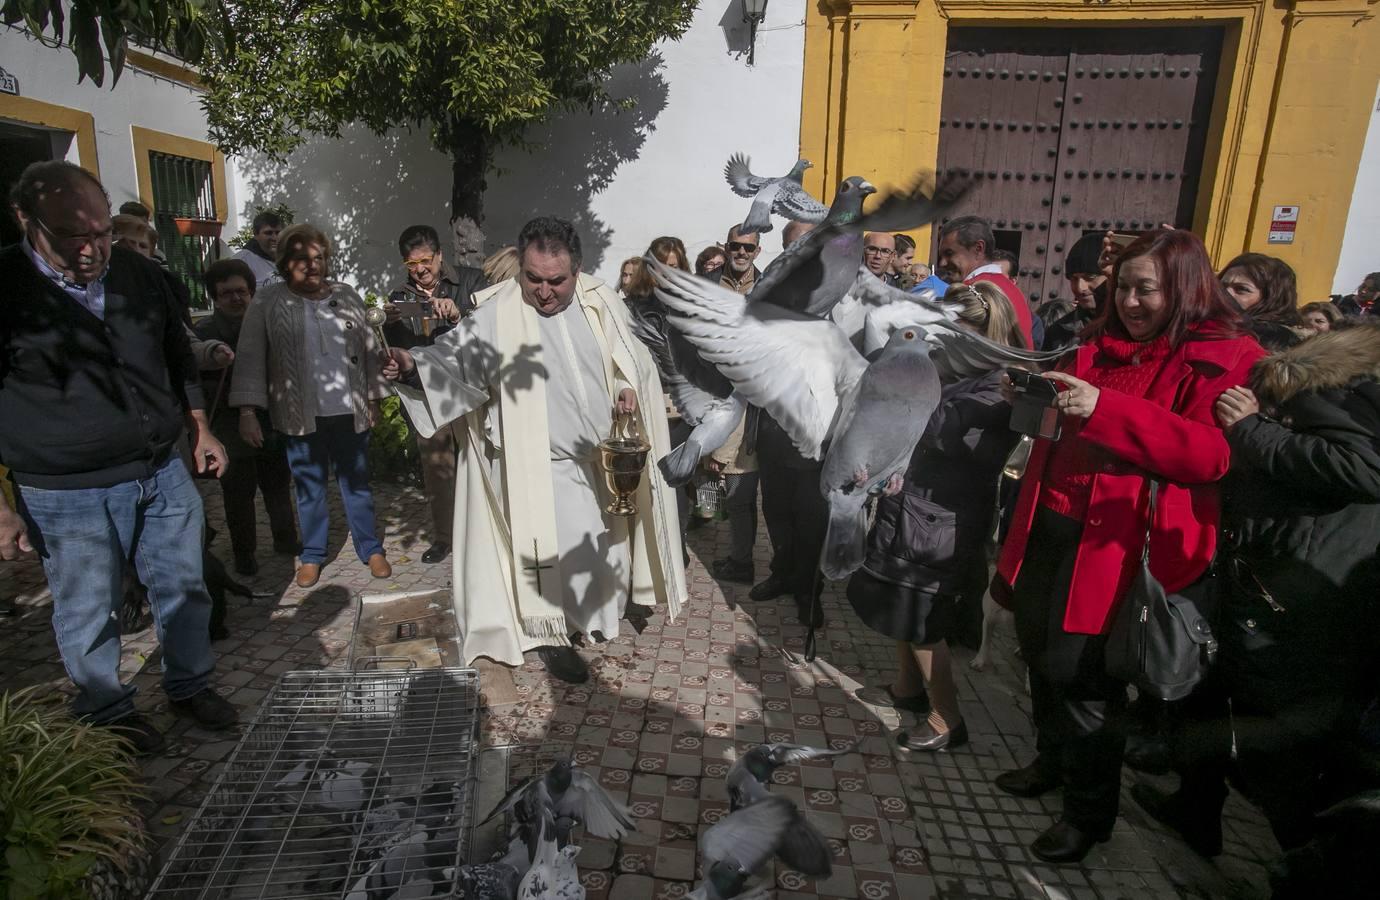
x: 754, y: 12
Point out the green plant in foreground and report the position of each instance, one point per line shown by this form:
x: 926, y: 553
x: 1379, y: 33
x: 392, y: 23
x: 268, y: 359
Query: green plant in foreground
x: 68, y: 795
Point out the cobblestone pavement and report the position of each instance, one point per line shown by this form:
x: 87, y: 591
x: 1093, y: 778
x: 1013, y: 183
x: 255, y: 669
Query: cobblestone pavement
x: 666, y: 712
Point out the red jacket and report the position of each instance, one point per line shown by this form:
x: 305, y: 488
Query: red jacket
x: 1171, y: 433
x: 1019, y: 304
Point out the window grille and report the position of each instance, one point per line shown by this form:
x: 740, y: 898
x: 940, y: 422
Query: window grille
x: 182, y: 189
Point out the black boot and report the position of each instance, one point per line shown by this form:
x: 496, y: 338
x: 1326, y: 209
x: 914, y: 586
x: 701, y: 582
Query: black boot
x: 774, y: 586
x: 1064, y: 842
x: 1031, y: 781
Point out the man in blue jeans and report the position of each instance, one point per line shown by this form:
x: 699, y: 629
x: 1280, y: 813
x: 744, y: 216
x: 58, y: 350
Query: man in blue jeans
x: 97, y: 383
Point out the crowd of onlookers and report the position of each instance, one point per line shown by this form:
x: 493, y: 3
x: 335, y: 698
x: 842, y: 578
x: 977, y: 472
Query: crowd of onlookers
x: 1203, y: 421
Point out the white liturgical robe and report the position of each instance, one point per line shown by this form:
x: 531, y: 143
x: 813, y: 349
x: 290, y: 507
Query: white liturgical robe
x: 529, y: 397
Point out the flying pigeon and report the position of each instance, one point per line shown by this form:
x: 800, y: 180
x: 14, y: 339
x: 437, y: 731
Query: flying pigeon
x: 807, y: 375
x: 569, y: 792
x: 815, y: 272
x: 715, y: 427
x: 873, y: 442
x: 751, y: 773
x: 744, y: 842
x: 784, y: 196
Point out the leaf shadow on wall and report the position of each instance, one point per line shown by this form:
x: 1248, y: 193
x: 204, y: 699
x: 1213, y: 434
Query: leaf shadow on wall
x: 573, y: 159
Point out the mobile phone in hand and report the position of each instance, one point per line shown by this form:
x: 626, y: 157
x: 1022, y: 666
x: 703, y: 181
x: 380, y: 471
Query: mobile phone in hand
x: 1032, y: 409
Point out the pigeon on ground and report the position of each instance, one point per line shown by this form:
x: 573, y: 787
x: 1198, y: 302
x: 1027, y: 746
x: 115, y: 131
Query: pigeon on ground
x: 751, y: 773
x: 743, y: 843
x: 784, y: 196
x: 816, y: 271
x: 498, y: 879
x: 570, y: 792
x: 553, y: 875
x: 873, y: 443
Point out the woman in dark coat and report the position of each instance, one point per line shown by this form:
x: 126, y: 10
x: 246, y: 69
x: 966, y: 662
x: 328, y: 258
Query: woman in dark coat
x: 1136, y: 404
x: 927, y: 550
x: 1301, y: 527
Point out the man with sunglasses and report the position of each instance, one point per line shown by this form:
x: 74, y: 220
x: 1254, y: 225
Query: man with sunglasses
x: 97, y: 384
x: 432, y: 298
x: 741, y: 273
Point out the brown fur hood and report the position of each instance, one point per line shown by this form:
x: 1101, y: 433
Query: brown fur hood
x: 1329, y: 360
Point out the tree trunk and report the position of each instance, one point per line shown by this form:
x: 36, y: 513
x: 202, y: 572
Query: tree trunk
x: 471, y: 154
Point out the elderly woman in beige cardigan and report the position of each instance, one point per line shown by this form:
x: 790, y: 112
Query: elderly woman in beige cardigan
x: 306, y: 355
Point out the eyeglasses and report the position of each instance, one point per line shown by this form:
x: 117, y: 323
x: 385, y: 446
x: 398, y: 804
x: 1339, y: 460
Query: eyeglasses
x: 423, y: 263
x: 880, y: 251
x: 76, y: 241
x: 740, y: 247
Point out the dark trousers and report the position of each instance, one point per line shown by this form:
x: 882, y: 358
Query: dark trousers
x: 797, y: 517
x: 267, y: 472
x: 1077, y: 706
x: 1281, y: 749
x: 742, y: 515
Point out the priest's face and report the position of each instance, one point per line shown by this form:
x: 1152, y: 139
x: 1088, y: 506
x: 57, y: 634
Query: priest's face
x: 547, y: 279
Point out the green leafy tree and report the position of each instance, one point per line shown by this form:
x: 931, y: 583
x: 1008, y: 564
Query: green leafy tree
x: 476, y: 72
x: 100, y: 30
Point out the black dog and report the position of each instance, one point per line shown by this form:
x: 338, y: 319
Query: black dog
x: 218, y: 584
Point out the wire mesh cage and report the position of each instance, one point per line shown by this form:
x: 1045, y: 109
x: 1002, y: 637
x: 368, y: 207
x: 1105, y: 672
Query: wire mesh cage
x: 499, y: 770
x: 710, y: 496
x: 348, y: 784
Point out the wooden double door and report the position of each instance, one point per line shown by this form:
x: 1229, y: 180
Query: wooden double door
x: 1071, y: 131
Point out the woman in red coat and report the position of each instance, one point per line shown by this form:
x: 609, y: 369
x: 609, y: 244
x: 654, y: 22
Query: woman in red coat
x: 1136, y: 402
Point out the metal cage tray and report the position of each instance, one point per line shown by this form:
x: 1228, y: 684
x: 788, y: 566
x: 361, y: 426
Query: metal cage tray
x: 346, y: 783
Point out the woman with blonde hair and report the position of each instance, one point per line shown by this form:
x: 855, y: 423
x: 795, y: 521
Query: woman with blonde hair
x: 307, y: 356
x: 926, y: 555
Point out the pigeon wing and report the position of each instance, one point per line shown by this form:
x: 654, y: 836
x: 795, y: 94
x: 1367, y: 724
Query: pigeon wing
x: 740, y: 177
x: 758, y: 220
x: 873, y: 293
x: 749, y: 838
x: 587, y: 801
x: 795, y: 203
x: 691, y: 401
x: 805, y: 250
x: 959, y: 353
x: 924, y: 202
x: 784, y: 754
x: 793, y: 366
x: 510, y: 799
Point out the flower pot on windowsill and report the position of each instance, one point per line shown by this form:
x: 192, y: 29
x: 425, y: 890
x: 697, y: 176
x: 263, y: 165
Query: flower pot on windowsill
x: 198, y: 227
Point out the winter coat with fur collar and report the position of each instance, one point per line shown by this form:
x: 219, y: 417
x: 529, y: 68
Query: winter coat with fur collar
x: 1301, y: 512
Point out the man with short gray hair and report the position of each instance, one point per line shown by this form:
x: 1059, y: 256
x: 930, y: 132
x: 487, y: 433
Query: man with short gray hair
x: 98, y: 368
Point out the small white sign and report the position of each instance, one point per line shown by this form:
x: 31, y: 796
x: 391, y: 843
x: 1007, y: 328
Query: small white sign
x: 9, y: 84
x: 1283, y: 223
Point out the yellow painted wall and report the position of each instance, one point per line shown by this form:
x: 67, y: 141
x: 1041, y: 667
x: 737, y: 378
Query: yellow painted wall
x: 1290, y: 112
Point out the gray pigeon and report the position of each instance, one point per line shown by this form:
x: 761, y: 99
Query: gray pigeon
x: 878, y: 428
x: 784, y: 196
x: 744, y: 842
x: 815, y: 272
x: 715, y: 427
x: 327, y: 784
x: 570, y: 792
x: 869, y: 296
x: 406, y: 865
x: 751, y: 773
x: 497, y: 879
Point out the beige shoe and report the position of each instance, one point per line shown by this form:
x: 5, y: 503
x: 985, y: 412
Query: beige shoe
x: 379, y: 567
x: 308, y: 574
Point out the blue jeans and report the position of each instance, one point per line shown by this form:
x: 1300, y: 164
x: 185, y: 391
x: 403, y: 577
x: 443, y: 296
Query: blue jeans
x: 85, y: 538
x: 334, y: 443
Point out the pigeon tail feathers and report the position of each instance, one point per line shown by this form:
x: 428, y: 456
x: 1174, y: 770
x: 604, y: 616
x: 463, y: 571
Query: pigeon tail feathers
x: 845, y: 541
x: 679, y: 466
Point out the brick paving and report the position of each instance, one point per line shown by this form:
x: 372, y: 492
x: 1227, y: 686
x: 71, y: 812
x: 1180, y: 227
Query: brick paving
x: 666, y: 711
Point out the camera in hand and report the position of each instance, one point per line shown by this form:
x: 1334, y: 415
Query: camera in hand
x: 1032, y: 408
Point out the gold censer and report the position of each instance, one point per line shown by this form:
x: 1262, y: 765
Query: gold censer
x: 623, y: 458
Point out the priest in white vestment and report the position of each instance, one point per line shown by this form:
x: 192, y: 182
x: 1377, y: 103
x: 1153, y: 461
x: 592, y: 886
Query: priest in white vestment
x: 530, y: 384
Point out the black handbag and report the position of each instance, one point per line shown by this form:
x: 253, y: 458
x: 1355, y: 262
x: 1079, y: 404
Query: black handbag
x: 1162, y: 643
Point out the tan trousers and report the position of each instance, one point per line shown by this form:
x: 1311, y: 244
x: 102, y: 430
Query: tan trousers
x: 438, y: 476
